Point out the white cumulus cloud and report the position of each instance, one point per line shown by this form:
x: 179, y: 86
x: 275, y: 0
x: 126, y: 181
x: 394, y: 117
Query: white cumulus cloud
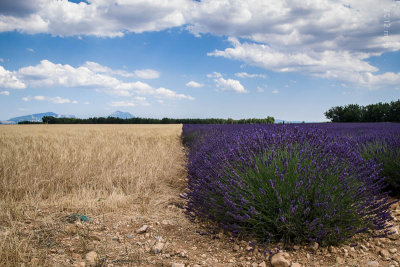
x: 90, y: 75
x: 54, y: 100
x: 147, y: 74
x: 4, y: 93
x: 331, y: 64
x: 98, y: 17
x: 9, y: 80
x: 136, y: 101
x: 249, y: 75
x: 230, y: 85
x: 214, y: 75
x: 142, y: 74
x: 194, y: 84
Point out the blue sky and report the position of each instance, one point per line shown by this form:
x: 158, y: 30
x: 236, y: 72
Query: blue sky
x: 181, y: 58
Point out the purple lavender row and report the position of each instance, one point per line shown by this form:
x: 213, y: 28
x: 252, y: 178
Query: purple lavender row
x: 293, y: 183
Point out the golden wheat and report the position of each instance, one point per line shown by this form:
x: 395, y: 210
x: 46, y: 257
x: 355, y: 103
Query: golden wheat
x: 90, y: 169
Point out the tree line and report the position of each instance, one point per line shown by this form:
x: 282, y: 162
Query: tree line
x: 380, y: 112
x: 114, y: 120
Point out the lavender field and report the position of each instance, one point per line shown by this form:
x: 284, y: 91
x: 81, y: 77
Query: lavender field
x: 298, y: 183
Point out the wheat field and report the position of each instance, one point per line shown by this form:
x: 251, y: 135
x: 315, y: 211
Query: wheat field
x: 86, y: 169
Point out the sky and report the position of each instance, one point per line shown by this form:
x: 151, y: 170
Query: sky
x: 292, y: 59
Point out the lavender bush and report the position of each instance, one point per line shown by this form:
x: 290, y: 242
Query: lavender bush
x: 377, y: 141
x: 283, y: 183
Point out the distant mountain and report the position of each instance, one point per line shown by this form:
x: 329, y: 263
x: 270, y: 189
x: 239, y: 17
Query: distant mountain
x: 121, y: 115
x: 38, y: 117
x: 7, y: 122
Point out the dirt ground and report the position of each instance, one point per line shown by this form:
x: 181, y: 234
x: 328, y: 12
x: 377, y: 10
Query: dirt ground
x: 170, y: 238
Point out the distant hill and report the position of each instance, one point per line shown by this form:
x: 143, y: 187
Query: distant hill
x: 121, y: 115
x: 38, y: 117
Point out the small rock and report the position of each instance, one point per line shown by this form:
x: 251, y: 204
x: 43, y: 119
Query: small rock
x: 308, y: 256
x: 80, y: 264
x: 393, y: 250
x: 314, y: 246
x: 142, y: 229
x: 396, y: 234
x: 183, y: 254
x: 249, y: 248
x: 396, y: 257
x: 91, y: 257
x: 129, y: 236
x: 254, y: 264
x: 196, y: 265
x: 178, y: 265
x: 332, y: 249
x: 373, y: 264
x: 295, y: 264
x: 339, y: 260
x: 158, y: 248
x: 280, y: 260
x: 115, y: 238
x: 203, y: 255
x: 384, y: 253
x: 364, y: 248
x: 346, y: 253
x: 236, y: 247
x: 296, y: 247
x: 262, y: 264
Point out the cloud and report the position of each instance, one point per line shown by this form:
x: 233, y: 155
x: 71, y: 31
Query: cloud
x: 1, y: 60
x: 275, y: 91
x: 90, y: 75
x: 9, y: 80
x: 142, y: 74
x: 194, y: 84
x: 98, y: 17
x: 260, y: 89
x: 31, y: 50
x: 230, y: 85
x: 227, y: 84
x: 54, y: 100
x: 147, y: 74
x: 326, y: 38
x: 166, y: 93
x: 17, y: 7
x: 136, y: 101
x: 4, y: 93
x: 214, y: 75
x: 337, y: 65
x: 249, y: 75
